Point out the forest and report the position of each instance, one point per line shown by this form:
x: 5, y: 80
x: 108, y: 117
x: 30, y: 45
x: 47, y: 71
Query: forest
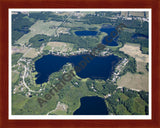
x: 20, y: 26
x: 38, y: 40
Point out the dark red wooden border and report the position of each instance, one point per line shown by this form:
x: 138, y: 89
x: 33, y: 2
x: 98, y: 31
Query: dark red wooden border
x: 6, y: 4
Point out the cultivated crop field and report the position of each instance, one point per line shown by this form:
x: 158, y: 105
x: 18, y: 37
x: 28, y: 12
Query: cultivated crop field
x: 134, y: 51
x: 135, y: 81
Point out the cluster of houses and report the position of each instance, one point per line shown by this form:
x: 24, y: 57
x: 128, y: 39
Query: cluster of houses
x: 79, y: 52
x: 118, y: 69
x: 128, y: 16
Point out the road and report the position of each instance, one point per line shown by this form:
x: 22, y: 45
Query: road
x: 25, y: 82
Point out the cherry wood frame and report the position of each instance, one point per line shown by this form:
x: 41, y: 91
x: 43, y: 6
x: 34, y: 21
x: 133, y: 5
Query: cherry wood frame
x: 6, y: 4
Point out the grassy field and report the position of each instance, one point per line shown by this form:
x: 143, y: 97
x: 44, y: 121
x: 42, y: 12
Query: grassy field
x: 62, y: 30
x: 61, y: 109
x: 16, y: 57
x: 60, y: 112
x: 141, y: 67
x: 76, y: 24
x: 129, y: 30
x: 18, y: 49
x: 31, y: 53
x: 134, y: 81
x: 134, y: 51
x: 15, y: 76
x: 133, y: 13
x: 140, y: 79
x: 59, y: 46
x: 47, y: 47
x: 19, y: 102
x: 30, y: 106
x: 136, y: 13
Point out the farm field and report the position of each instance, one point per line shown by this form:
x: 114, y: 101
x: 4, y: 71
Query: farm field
x: 134, y: 51
x: 18, y: 49
x: 59, y: 46
x: 134, y: 81
x: 138, y: 81
x: 31, y: 53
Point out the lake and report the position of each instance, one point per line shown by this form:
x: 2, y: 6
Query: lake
x: 98, y: 68
x: 105, y: 28
x: 86, y: 33
x: 92, y: 105
x: 109, y: 29
x: 136, y: 35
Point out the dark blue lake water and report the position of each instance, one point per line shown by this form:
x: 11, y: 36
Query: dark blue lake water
x: 41, y: 40
x: 93, y: 105
x: 139, y: 35
x: 98, y: 68
x: 110, y: 39
x: 86, y: 33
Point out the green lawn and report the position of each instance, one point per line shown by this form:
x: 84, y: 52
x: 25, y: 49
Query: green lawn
x: 18, y: 102
x: 16, y: 57
x: 15, y: 76
x: 47, y: 48
x: 59, y: 112
x: 129, y: 30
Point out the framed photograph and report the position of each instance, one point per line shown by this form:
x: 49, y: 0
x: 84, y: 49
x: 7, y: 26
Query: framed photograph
x: 65, y: 65
x: 80, y: 63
